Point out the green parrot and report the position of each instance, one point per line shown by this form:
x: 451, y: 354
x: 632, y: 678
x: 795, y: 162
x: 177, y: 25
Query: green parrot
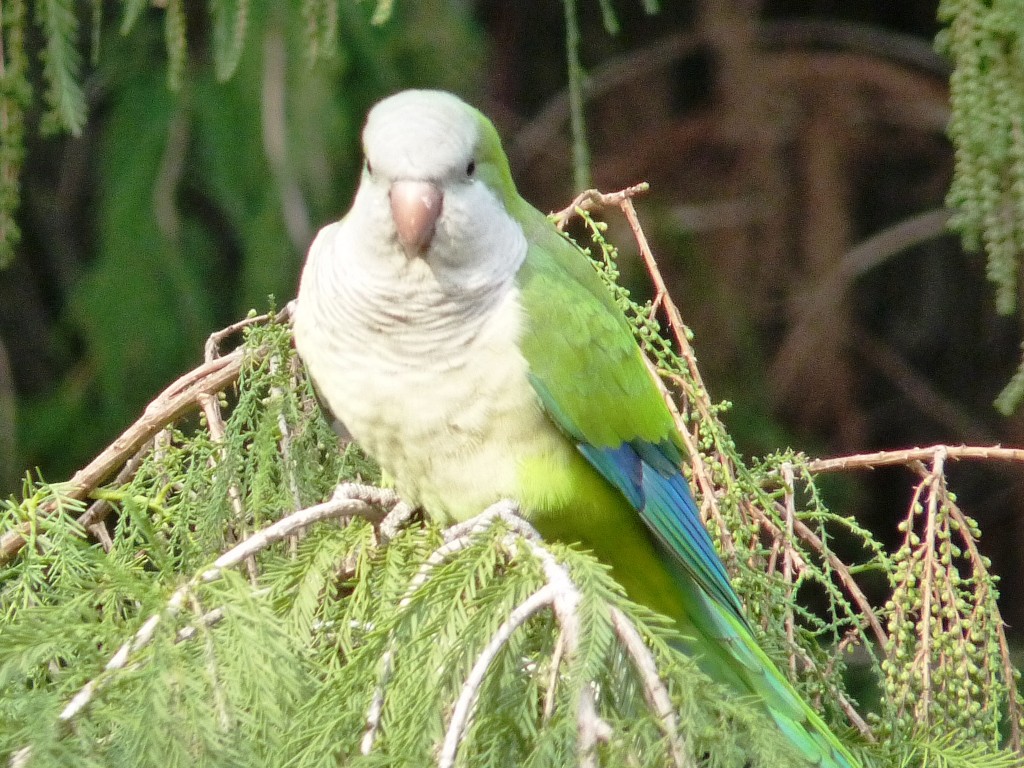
x: 476, y: 354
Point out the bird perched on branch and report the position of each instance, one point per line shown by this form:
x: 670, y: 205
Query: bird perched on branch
x: 476, y: 354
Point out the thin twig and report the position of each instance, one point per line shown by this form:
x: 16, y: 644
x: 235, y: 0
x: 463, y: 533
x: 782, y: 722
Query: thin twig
x: 218, y: 434
x: 845, y: 577
x: 376, y: 708
x: 907, y: 455
x: 285, y: 444
x: 92, y: 518
x: 210, y: 404
x: 559, y: 592
x: 787, y: 559
x: 934, y: 482
x: 593, y: 198
x: 542, y: 598
x: 655, y: 693
x: 211, y: 349
x: 709, y: 504
x: 844, y: 703
x: 460, y: 536
x: 209, y: 619
x: 556, y: 662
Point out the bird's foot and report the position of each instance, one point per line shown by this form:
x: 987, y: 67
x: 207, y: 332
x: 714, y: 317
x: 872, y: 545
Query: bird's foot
x: 396, y: 511
x: 505, y: 510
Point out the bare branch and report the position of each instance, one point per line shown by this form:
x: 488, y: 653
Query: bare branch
x: 395, y: 520
x: 179, y: 398
x: 787, y: 558
x: 908, y: 455
x: 592, y: 199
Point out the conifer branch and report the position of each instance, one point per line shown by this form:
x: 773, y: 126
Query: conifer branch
x: 460, y: 536
x: 559, y: 593
x: 457, y: 537
x: 591, y: 729
x: 655, y: 693
x: 543, y: 598
x: 175, y: 401
x: 351, y: 500
x: 184, y: 395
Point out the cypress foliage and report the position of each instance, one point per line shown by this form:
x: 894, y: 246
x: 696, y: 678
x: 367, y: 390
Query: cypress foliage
x: 225, y: 615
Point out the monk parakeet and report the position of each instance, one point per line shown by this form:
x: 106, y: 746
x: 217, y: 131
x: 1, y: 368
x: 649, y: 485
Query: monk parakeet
x: 476, y: 354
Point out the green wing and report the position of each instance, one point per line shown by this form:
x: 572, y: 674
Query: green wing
x: 595, y: 385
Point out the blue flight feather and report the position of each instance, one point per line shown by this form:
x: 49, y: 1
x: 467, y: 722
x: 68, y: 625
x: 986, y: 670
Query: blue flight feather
x: 656, y: 488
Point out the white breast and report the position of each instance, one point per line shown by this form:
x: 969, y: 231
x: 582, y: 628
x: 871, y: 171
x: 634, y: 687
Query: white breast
x: 429, y: 381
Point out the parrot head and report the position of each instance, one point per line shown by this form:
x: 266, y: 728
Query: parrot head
x: 436, y: 181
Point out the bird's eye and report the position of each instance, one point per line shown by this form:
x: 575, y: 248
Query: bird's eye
x: 369, y: 168
x: 471, y: 168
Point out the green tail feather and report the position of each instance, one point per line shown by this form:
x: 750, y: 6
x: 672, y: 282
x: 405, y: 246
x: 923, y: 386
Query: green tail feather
x: 726, y: 651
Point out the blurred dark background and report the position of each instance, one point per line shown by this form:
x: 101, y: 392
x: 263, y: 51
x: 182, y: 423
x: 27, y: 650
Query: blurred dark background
x: 798, y: 163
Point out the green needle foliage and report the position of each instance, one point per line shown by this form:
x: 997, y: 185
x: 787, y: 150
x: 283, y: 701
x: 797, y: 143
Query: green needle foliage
x: 342, y: 645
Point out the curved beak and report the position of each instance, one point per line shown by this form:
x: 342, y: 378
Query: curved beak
x: 415, y: 206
